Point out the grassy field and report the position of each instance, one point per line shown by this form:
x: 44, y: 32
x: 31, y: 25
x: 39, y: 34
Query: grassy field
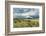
x: 25, y: 23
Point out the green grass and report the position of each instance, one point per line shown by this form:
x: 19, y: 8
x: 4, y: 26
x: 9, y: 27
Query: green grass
x: 25, y: 23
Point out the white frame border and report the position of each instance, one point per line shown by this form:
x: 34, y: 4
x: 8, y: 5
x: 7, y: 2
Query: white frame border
x: 29, y: 28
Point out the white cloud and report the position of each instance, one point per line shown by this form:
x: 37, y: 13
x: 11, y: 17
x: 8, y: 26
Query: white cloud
x: 27, y: 14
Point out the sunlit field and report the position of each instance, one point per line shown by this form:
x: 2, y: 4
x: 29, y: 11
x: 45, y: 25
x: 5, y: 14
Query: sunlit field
x: 19, y: 23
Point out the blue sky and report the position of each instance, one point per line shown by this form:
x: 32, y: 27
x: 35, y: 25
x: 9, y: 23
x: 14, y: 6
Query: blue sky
x: 25, y: 12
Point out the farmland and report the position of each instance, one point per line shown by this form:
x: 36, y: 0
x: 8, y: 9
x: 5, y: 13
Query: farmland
x: 17, y: 23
